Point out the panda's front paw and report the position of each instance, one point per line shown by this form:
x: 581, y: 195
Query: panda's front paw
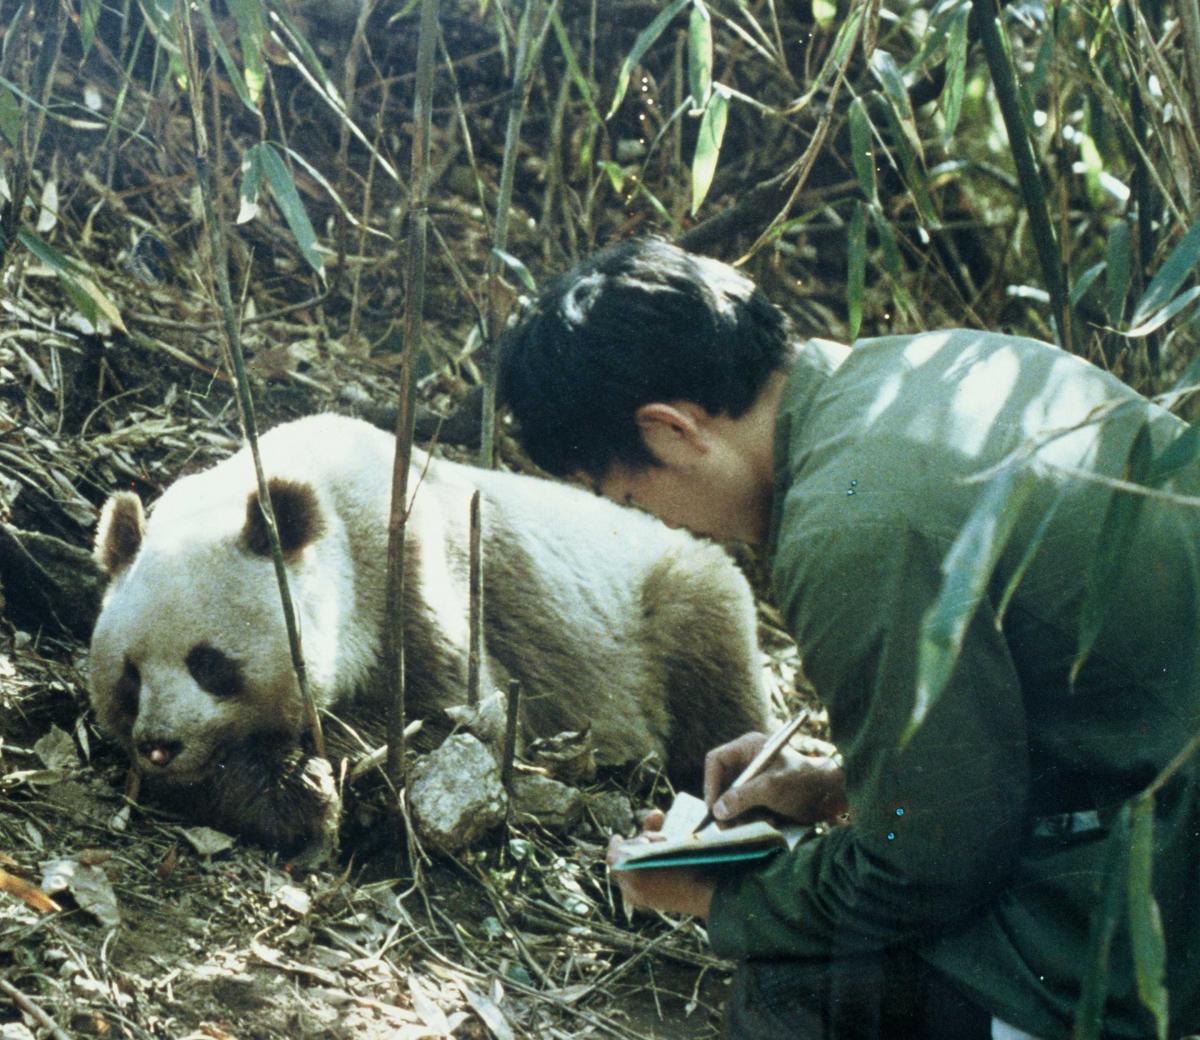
x: 272, y: 792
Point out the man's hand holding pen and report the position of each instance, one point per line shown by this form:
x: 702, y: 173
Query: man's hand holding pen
x: 742, y: 775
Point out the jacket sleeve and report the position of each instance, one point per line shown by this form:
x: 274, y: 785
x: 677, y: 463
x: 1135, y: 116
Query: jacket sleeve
x: 935, y: 827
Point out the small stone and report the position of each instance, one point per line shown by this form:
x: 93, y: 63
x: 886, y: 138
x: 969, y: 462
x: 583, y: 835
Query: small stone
x: 553, y: 805
x: 612, y: 812
x: 456, y: 795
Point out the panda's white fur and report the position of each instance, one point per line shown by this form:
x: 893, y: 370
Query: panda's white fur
x: 607, y: 617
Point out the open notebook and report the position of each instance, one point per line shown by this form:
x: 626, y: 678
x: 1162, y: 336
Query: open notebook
x: 685, y: 847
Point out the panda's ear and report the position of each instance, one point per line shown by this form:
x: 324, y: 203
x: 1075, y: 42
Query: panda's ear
x: 297, y: 516
x: 119, y: 533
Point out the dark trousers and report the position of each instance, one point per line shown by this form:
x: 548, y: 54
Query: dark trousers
x: 888, y: 996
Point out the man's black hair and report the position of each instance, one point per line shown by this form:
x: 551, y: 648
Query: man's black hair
x: 637, y: 322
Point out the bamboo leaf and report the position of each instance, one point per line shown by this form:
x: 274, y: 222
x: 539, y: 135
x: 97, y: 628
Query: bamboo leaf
x: 10, y: 116
x: 708, y: 144
x: 89, y: 15
x: 248, y: 14
x: 1085, y: 281
x: 856, y: 273
x: 251, y: 181
x: 846, y: 36
x: 1120, y: 517
x: 577, y: 76
x: 700, y: 54
x: 307, y: 55
x: 517, y: 268
x: 1118, y: 267
x: 1181, y: 303
x: 231, y: 67
x: 616, y: 174
x: 1089, y: 1011
x: 913, y: 172
x: 1174, y: 271
x: 1180, y: 453
x: 642, y: 44
x: 967, y: 569
x: 888, y: 73
x: 1145, y: 921
x: 956, y: 72
x: 862, y: 150
x: 84, y: 292
x: 1031, y: 550
x: 887, y: 240
x: 283, y: 188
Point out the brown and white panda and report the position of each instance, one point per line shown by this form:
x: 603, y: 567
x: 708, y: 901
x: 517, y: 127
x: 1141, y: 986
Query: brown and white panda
x: 608, y: 619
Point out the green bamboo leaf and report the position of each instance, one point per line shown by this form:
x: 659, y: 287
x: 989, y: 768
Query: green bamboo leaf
x: 251, y: 182
x: 160, y: 17
x: 1089, y: 1012
x: 10, y: 115
x: 1085, y: 281
x: 956, y: 72
x: 700, y: 54
x: 83, y: 292
x: 1174, y: 271
x: 888, y: 73
x: 231, y: 67
x: 708, y: 144
x: 1031, y: 550
x: 940, y: 19
x: 856, y: 274
x: 248, y: 14
x: 967, y: 571
x: 1118, y: 267
x: 309, y: 56
x: 911, y: 169
x: 89, y: 15
x: 517, y: 268
x: 887, y: 241
x: 847, y: 35
x: 577, y: 76
x: 1145, y: 921
x: 1120, y: 517
x: 1180, y: 453
x: 283, y: 188
x: 862, y: 150
x: 616, y: 174
x: 642, y: 44
x: 1181, y: 303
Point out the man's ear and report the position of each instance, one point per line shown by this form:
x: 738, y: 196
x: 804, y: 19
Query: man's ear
x: 672, y: 431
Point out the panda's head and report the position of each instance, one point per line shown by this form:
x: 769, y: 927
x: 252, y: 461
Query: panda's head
x: 190, y: 652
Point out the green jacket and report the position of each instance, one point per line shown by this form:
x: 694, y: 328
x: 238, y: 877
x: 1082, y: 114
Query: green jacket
x: 950, y: 845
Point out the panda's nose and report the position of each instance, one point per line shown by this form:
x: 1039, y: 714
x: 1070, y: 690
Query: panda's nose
x: 159, y: 752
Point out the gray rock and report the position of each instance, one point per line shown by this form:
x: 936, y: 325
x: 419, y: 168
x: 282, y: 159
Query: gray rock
x: 455, y: 794
x: 552, y: 804
x: 612, y: 812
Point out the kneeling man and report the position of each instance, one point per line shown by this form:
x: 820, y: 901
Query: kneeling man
x: 958, y: 900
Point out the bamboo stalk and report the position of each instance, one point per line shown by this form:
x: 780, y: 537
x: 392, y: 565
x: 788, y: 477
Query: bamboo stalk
x: 510, y: 733
x: 1033, y: 191
x: 219, y: 263
x: 1189, y: 22
x: 512, y: 137
x: 475, y: 603
x: 414, y: 280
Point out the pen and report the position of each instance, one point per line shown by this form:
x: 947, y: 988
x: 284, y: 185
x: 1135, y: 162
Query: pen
x: 766, y: 754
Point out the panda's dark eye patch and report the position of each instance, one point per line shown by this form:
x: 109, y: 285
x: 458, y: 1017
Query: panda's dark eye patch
x: 128, y: 687
x: 214, y: 671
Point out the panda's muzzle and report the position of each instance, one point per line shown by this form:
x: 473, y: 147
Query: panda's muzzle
x: 159, y: 753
